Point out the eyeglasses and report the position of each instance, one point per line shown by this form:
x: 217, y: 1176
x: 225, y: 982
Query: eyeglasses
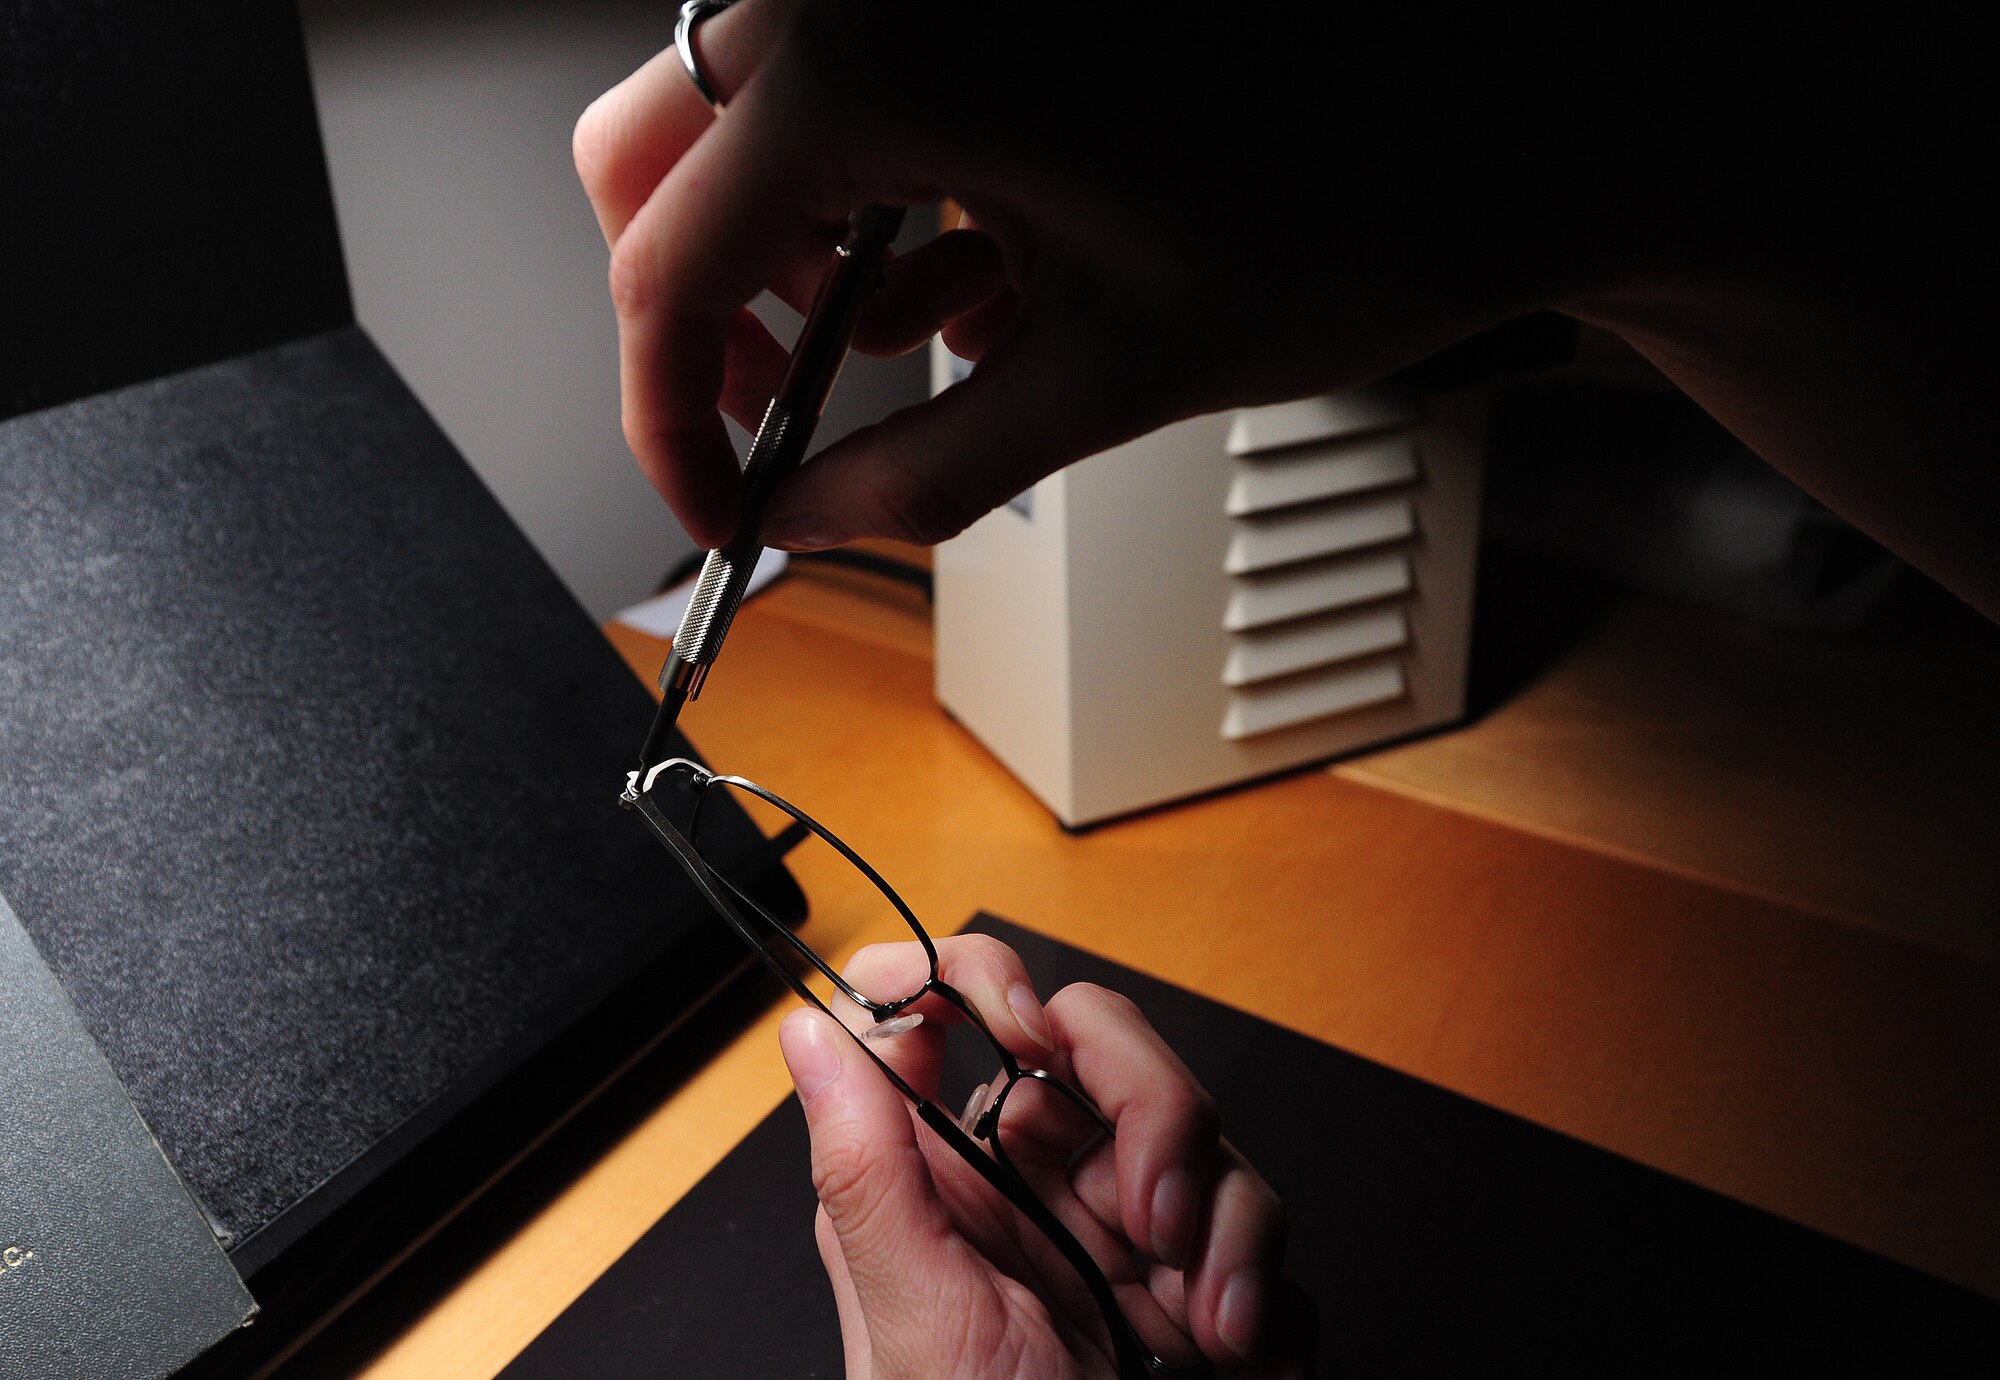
x: 979, y: 1135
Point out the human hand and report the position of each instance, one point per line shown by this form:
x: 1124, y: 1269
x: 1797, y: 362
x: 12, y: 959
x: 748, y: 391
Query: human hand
x: 1147, y: 243
x: 936, y: 1275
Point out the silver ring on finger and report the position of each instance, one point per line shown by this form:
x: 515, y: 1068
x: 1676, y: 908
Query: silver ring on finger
x: 692, y: 15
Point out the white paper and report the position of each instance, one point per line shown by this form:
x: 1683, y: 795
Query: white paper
x: 661, y: 615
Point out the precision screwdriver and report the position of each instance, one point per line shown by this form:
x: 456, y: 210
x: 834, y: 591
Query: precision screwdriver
x: 780, y: 444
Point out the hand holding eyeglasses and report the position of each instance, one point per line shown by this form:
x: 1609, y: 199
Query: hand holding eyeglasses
x: 935, y: 1277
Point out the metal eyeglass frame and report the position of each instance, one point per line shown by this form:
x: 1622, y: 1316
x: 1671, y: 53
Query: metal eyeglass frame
x: 1132, y: 1357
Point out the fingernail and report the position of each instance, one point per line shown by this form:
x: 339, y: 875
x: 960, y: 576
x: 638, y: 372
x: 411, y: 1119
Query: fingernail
x: 799, y: 532
x: 1173, y: 1217
x: 1240, y: 1317
x: 1027, y: 1008
x: 810, y: 1053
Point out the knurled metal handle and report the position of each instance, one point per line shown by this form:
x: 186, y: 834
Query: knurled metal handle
x: 725, y: 575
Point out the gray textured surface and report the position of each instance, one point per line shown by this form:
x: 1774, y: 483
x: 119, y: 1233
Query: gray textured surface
x: 307, y: 764
x: 106, y: 1267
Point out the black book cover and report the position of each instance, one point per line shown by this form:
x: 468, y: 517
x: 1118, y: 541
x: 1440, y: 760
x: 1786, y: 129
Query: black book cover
x: 106, y: 1265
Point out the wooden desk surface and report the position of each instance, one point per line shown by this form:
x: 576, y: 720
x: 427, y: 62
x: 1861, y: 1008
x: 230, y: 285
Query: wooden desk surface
x: 1837, y: 1076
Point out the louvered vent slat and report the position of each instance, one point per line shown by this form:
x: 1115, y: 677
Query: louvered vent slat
x: 1295, y: 591
x: 1318, y: 419
x: 1286, y: 703
x: 1326, y: 529
x: 1319, y: 642
x: 1309, y: 474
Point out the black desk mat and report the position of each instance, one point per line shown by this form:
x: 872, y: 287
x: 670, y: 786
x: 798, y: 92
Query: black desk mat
x: 1440, y: 1237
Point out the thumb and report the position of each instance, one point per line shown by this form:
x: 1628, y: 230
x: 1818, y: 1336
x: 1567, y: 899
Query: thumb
x: 925, y: 473
x: 902, y: 1251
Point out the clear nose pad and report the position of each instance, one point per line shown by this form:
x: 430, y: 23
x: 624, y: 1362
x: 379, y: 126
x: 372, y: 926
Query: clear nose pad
x: 975, y: 1108
x: 890, y: 1029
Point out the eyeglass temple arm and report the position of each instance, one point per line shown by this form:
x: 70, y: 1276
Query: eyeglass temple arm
x: 713, y: 884
x: 714, y: 889
x: 854, y: 860
x: 881, y: 1011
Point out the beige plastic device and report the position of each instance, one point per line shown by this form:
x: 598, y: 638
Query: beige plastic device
x: 1224, y: 599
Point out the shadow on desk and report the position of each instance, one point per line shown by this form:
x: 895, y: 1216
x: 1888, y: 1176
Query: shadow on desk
x: 1846, y: 772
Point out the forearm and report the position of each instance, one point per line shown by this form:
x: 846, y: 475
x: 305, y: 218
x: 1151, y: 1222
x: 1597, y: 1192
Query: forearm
x: 1881, y: 409
x: 1826, y: 290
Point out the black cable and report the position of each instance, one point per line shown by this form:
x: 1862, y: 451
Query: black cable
x: 887, y: 566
